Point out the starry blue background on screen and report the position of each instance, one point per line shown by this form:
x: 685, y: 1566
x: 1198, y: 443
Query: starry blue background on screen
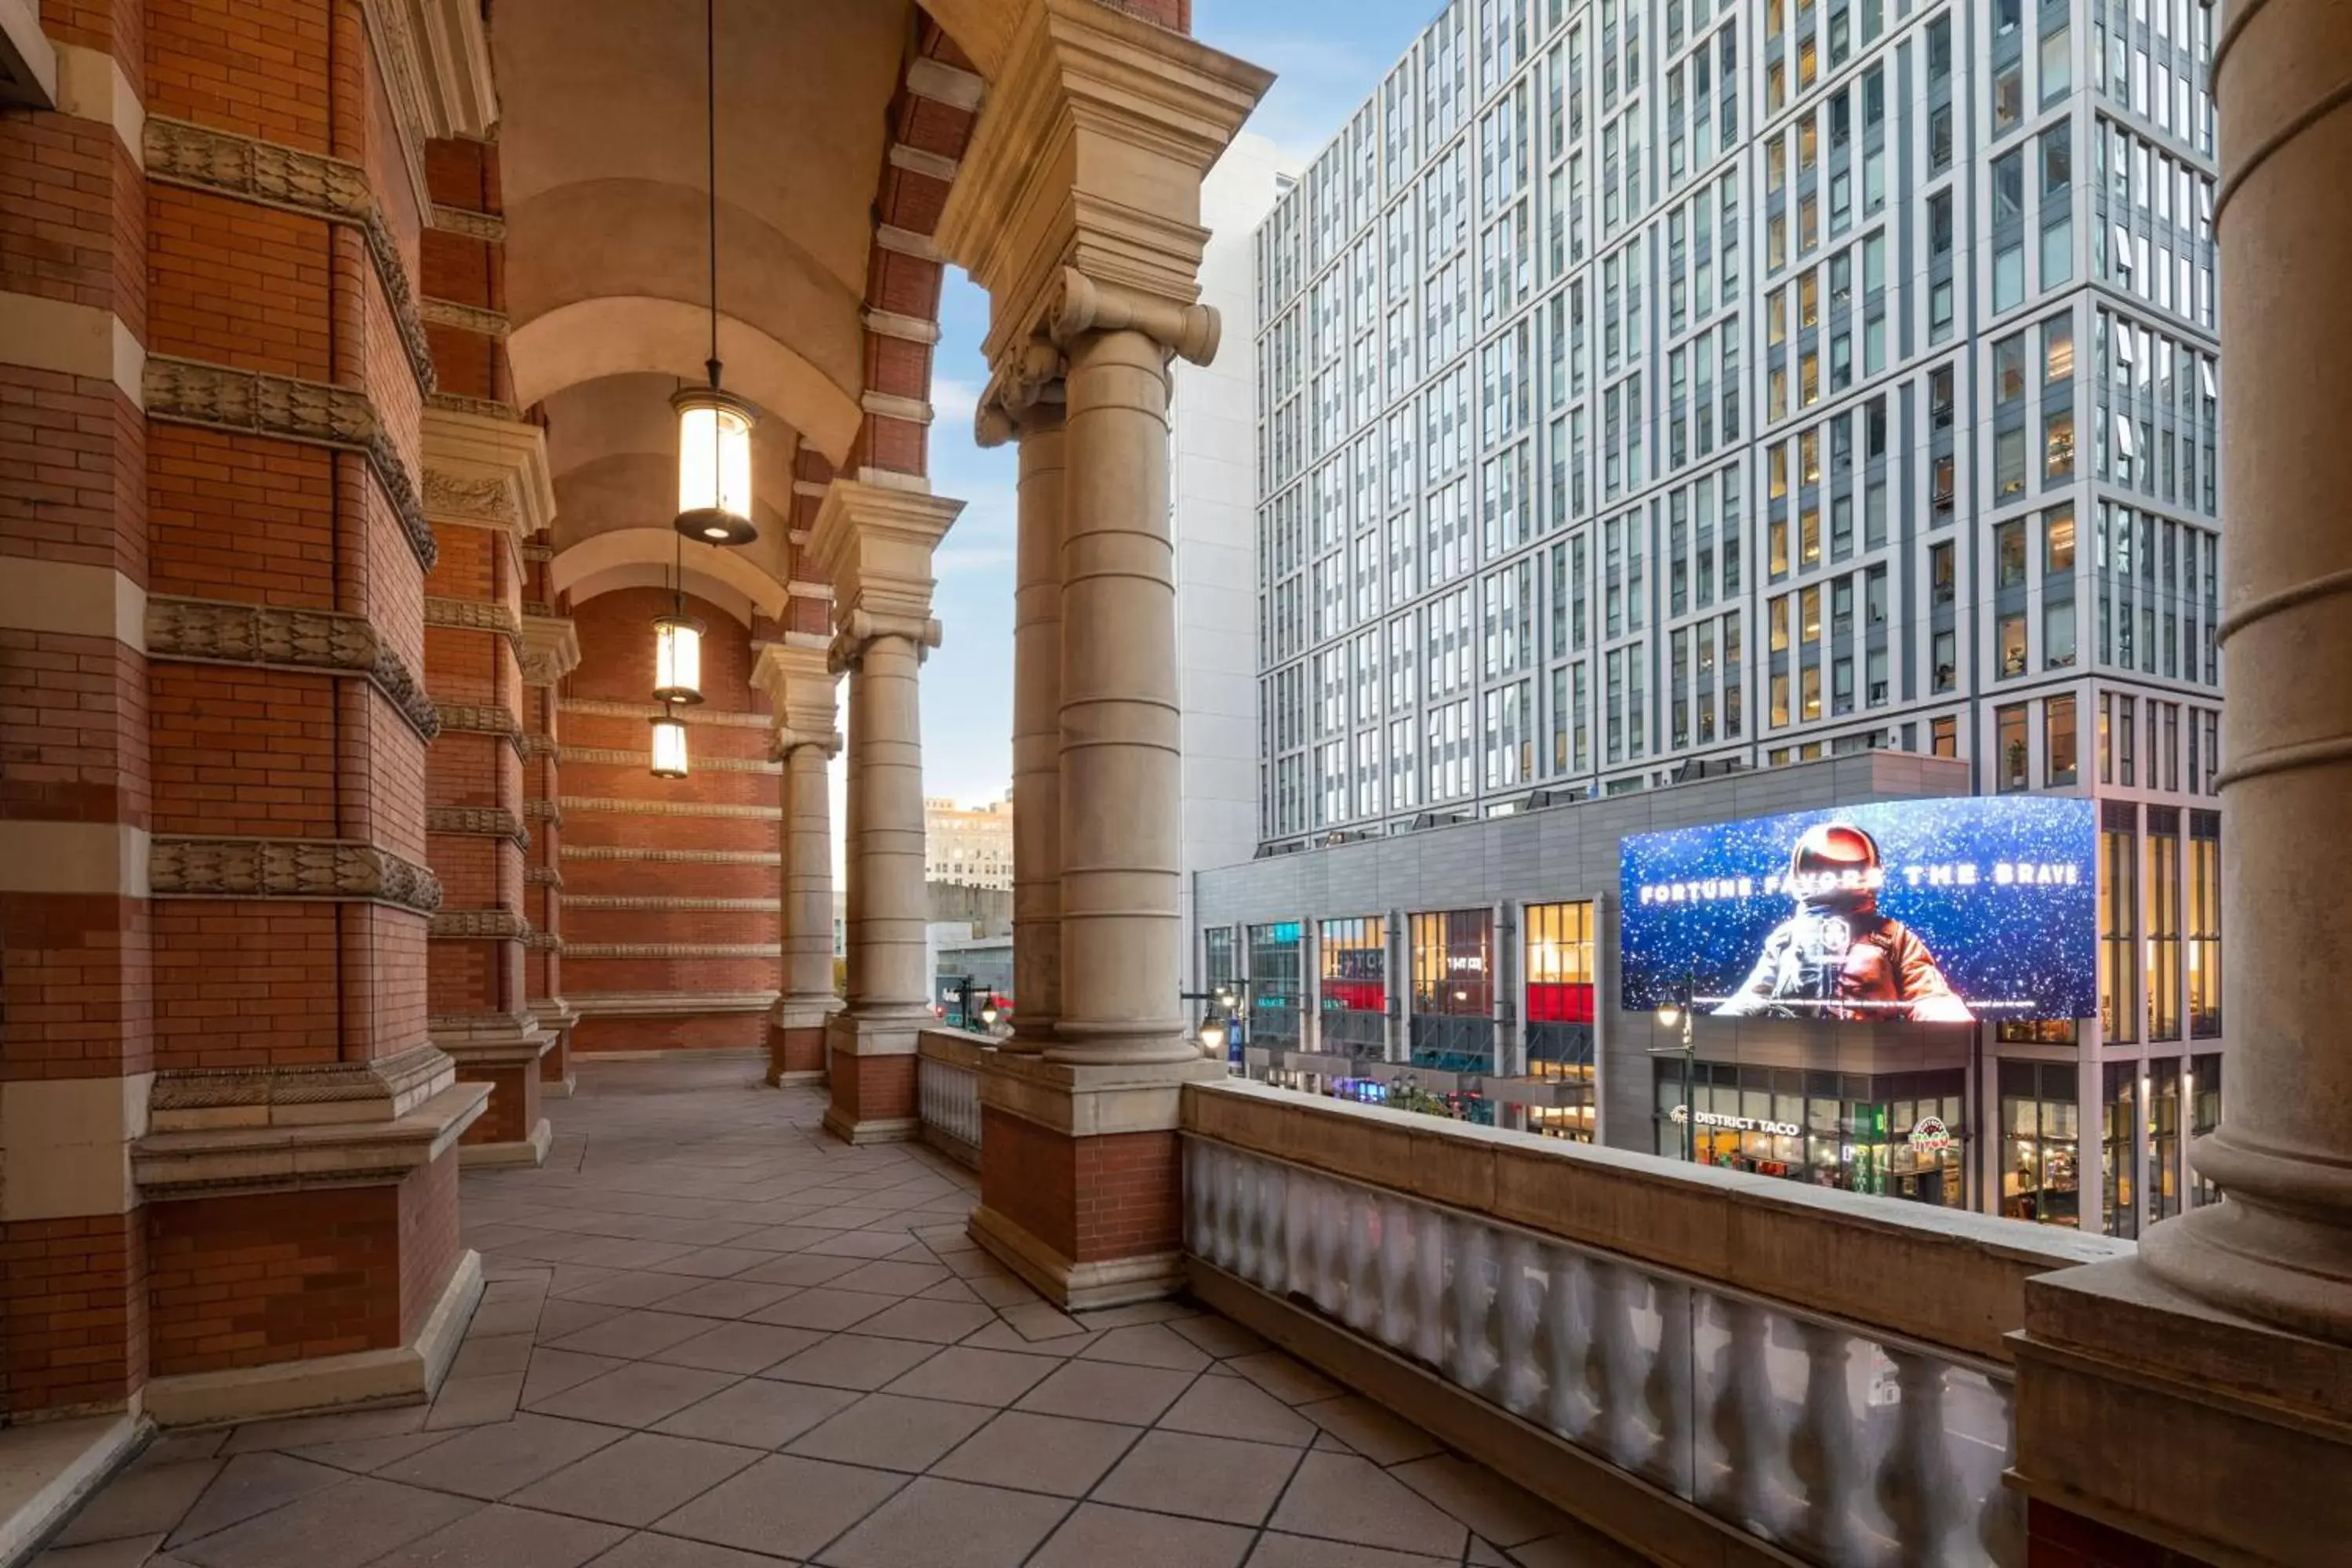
x: 2036, y: 944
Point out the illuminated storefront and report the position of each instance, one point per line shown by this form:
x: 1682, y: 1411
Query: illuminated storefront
x: 1900, y: 1135
x: 1275, y: 972
x: 1560, y: 1016
x: 1353, y: 964
x: 1453, y: 991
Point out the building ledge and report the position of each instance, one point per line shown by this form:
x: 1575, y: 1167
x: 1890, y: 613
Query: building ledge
x: 278, y: 1158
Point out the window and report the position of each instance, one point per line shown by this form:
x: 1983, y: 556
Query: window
x: 2057, y: 67
x: 1944, y: 737
x: 2163, y: 922
x: 2009, y: 464
x: 1941, y: 566
x: 2204, y: 902
x: 1561, y: 979
x: 2010, y: 637
x: 2119, y: 1147
x: 2057, y: 445
x: 1947, y: 657
x: 2039, y: 1130
x: 2060, y: 759
x: 2057, y: 543
x: 2008, y: 554
x: 2057, y: 633
x: 2118, y: 918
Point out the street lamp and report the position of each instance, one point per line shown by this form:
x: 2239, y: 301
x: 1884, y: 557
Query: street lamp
x: 1213, y: 1036
x: 1682, y: 1013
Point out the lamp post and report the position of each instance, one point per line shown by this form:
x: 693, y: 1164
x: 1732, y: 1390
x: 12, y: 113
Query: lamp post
x: 988, y: 1012
x: 1682, y: 1012
x: 1219, y: 1024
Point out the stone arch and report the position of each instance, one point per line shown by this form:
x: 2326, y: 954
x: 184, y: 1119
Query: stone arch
x: 642, y: 557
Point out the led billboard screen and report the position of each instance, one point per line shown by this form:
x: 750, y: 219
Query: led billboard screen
x: 1939, y: 911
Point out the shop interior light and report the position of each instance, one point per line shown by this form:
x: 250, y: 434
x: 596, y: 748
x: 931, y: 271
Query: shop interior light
x: 669, y: 745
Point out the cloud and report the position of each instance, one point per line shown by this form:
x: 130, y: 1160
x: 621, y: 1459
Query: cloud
x: 953, y: 402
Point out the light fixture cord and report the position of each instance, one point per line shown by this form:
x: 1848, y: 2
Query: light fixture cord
x: 710, y: 105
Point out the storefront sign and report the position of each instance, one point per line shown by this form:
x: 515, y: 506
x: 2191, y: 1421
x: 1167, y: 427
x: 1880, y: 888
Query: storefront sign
x: 1930, y: 1136
x: 1683, y: 1113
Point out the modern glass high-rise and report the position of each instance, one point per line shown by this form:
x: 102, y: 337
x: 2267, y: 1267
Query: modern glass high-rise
x: 1645, y: 384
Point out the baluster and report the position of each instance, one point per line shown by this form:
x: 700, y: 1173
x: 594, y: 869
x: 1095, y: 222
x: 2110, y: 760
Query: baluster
x: 1519, y: 1296
x: 2000, y: 1512
x: 1474, y: 1360
x: 1395, y: 1263
x: 1430, y: 1227
x: 1358, y: 1302
x: 1666, y: 1393
x: 1822, y: 1449
x: 1746, y: 1420
x: 1325, y: 1248
x: 1274, y: 1227
x: 1203, y: 1204
x: 1916, y: 1483
x: 1241, y: 1190
x: 1613, y: 1366
x: 1567, y: 1343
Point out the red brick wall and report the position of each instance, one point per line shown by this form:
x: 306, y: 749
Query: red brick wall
x: 617, y: 666
x: 72, y: 1312
x: 246, y: 1282
x: 428, y: 1240
x: 874, y: 1089
x: 1091, y: 1199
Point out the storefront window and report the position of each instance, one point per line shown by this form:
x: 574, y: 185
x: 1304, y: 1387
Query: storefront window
x: 1274, y: 989
x: 1218, y: 967
x: 2204, y: 924
x: 2118, y: 918
x: 2163, y: 1091
x: 1453, y: 991
x: 1902, y: 1135
x: 2163, y: 922
x: 1560, y: 974
x: 2204, y: 1116
x: 2040, y: 1160
x: 1354, y: 959
x: 2119, y: 1149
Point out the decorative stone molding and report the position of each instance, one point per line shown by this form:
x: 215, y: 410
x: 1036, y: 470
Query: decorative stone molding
x: 1025, y: 388
x: 210, y: 631
x: 542, y: 941
x: 887, y: 324
x: 874, y: 543
x: 462, y: 317
x: 473, y: 615
x: 794, y: 674
x: 479, y: 925
x: 950, y: 85
x: 889, y: 406
x: 486, y: 227
x: 544, y: 811
x: 539, y: 609
x: 335, y: 869
x: 198, y: 157
x: 672, y: 856
x: 543, y: 876
x: 484, y: 467
x: 538, y: 552
x: 667, y: 808
x: 672, y: 902
x: 592, y: 950
x: 436, y: 59
x: 609, y: 757
x: 597, y: 708
x: 668, y: 1003
x: 544, y: 746
x: 386, y: 1088
x: 189, y: 392
x: 475, y: 719
x: 475, y: 408
x: 551, y: 645
x: 478, y: 822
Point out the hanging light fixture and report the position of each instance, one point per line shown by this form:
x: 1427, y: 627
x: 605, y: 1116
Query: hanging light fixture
x: 714, y: 426
x: 669, y: 745
x: 677, y: 646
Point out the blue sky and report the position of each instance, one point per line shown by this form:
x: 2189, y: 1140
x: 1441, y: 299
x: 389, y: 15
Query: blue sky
x: 1327, y: 57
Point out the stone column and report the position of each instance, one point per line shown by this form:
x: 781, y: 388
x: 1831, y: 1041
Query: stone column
x: 800, y: 687
x: 1027, y: 407
x: 550, y: 651
x: 2230, y: 1331
x: 876, y: 542
x: 1081, y: 1180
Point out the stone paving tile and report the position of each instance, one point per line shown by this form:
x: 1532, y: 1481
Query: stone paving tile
x: 1275, y: 1550
x: 638, y: 1394
x: 1232, y: 1407
x: 853, y: 1361
x: 295, y: 1431
x: 1038, y: 1453
x: 970, y: 1376
x: 1147, y: 1345
x: 629, y: 1288
x: 1343, y: 1498
x: 488, y: 1462
x: 1203, y: 1478
x: 1575, y: 1547
x: 338, y: 1527
x: 823, y: 1307
x: 1286, y: 1378
x: 783, y: 1504
x: 859, y: 1243
x: 1107, y: 1391
x: 716, y: 1262
x: 758, y: 1412
x: 939, y: 1322
x: 632, y: 1336
x: 148, y: 1501
x: 553, y: 1371
x: 1370, y: 1429
x: 560, y: 1318
x: 1218, y: 1337
x: 252, y: 1484
x: 128, y: 1552
x: 474, y: 1401
x: 1484, y: 1501
x: 486, y: 1354
x: 647, y: 1550
x: 891, y: 1278
x: 363, y: 1455
x: 637, y: 1479
x: 1094, y: 1536
x: 1041, y: 1320
x: 728, y: 1299
x: 938, y: 1523
x: 503, y: 1537
x: 739, y: 1347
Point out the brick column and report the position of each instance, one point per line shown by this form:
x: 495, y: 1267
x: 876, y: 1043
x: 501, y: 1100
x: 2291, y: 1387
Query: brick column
x: 550, y: 652
x: 1081, y: 1191
x: 876, y: 541
x: 75, y: 799
x: 800, y: 687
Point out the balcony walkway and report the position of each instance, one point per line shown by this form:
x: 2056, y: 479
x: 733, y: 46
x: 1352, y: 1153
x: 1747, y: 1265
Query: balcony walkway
x: 715, y: 1337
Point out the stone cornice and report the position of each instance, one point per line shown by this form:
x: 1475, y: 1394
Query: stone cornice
x: 671, y: 902
x: 538, y: 810
x: 489, y: 227
x: 208, y: 631
x: 189, y: 392
x: 198, y: 157
x: 542, y: 941
x: 670, y: 808
x: 478, y: 719
x: 722, y: 717
x: 465, y: 318
x: 612, y: 757
x: 475, y: 616
x: 1091, y: 109
x: 435, y: 56
x: 478, y: 407
x: 483, y: 468
x: 478, y: 822
x: 335, y: 869
x: 594, y: 950
x: 385, y: 1088
x: 666, y: 1003
x: 538, y: 552
x: 542, y: 877
x: 551, y: 647
x: 672, y: 856
x: 494, y: 924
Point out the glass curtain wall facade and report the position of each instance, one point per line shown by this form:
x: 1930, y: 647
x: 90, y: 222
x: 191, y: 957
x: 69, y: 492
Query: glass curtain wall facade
x: 1649, y: 384
x: 1453, y: 991
x: 1354, y: 1000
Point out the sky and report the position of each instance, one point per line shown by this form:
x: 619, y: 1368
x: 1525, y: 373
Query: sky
x: 1328, y: 57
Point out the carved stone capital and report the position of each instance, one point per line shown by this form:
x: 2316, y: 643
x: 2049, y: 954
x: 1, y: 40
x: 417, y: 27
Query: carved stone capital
x: 551, y: 648
x: 1084, y: 305
x: 483, y: 468
x: 333, y: 869
x: 860, y: 630
x: 1026, y: 390
x: 875, y: 541
x: 210, y: 631
x: 478, y: 822
x: 796, y: 674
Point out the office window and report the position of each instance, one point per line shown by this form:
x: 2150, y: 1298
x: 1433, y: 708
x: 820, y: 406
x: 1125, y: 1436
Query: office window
x: 2040, y: 1116
x: 1944, y: 737
x: 2060, y: 760
x: 2120, y: 1149
x: 2119, y: 919
x: 2008, y: 554
x: 2164, y: 923
x: 2057, y: 633
x: 2204, y: 902
x: 2011, y: 752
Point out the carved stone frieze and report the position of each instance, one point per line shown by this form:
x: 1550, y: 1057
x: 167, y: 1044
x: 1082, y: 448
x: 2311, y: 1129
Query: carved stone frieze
x: 328, y: 869
x: 543, y: 876
x: 213, y: 632
x: 673, y: 856
x: 539, y: 552
x: 201, y: 158
x: 670, y: 808
x: 550, y: 645
x: 478, y: 719
x: 543, y: 941
x: 494, y: 924
x: 538, y: 745
x: 586, y: 950
x: 612, y: 757
x: 600, y: 707
x: 486, y: 227
x: 544, y: 811
x: 458, y: 498
x: 189, y: 392
x: 464, y: 317
x: 480, y: 407
x: 477, y: 821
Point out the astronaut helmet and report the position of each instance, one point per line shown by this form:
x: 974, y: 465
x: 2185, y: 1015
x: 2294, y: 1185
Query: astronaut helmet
x: 1834, y: 868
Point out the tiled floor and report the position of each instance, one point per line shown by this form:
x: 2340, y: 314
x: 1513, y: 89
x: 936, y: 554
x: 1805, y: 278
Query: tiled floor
x: 716, y: 1338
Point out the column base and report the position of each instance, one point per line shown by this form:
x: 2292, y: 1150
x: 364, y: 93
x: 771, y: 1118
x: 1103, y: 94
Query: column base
x: 508, y: 1054
x: 796, y: 1041
x: 870, y: 1068
x: 2256, y: 1465
x: 557, y: 1081
x: 1082, y: 1188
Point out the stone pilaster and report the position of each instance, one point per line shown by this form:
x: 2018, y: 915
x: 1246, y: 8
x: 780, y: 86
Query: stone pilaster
x: 2231, y: 1329
x: 1079, y: 209
x: 800, y: 685
x: 550, y: 652
x: 875, y: 543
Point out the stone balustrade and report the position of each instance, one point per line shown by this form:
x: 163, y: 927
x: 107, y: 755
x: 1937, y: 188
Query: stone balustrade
x: 1712, y: 1365
x: 947, y: 1091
